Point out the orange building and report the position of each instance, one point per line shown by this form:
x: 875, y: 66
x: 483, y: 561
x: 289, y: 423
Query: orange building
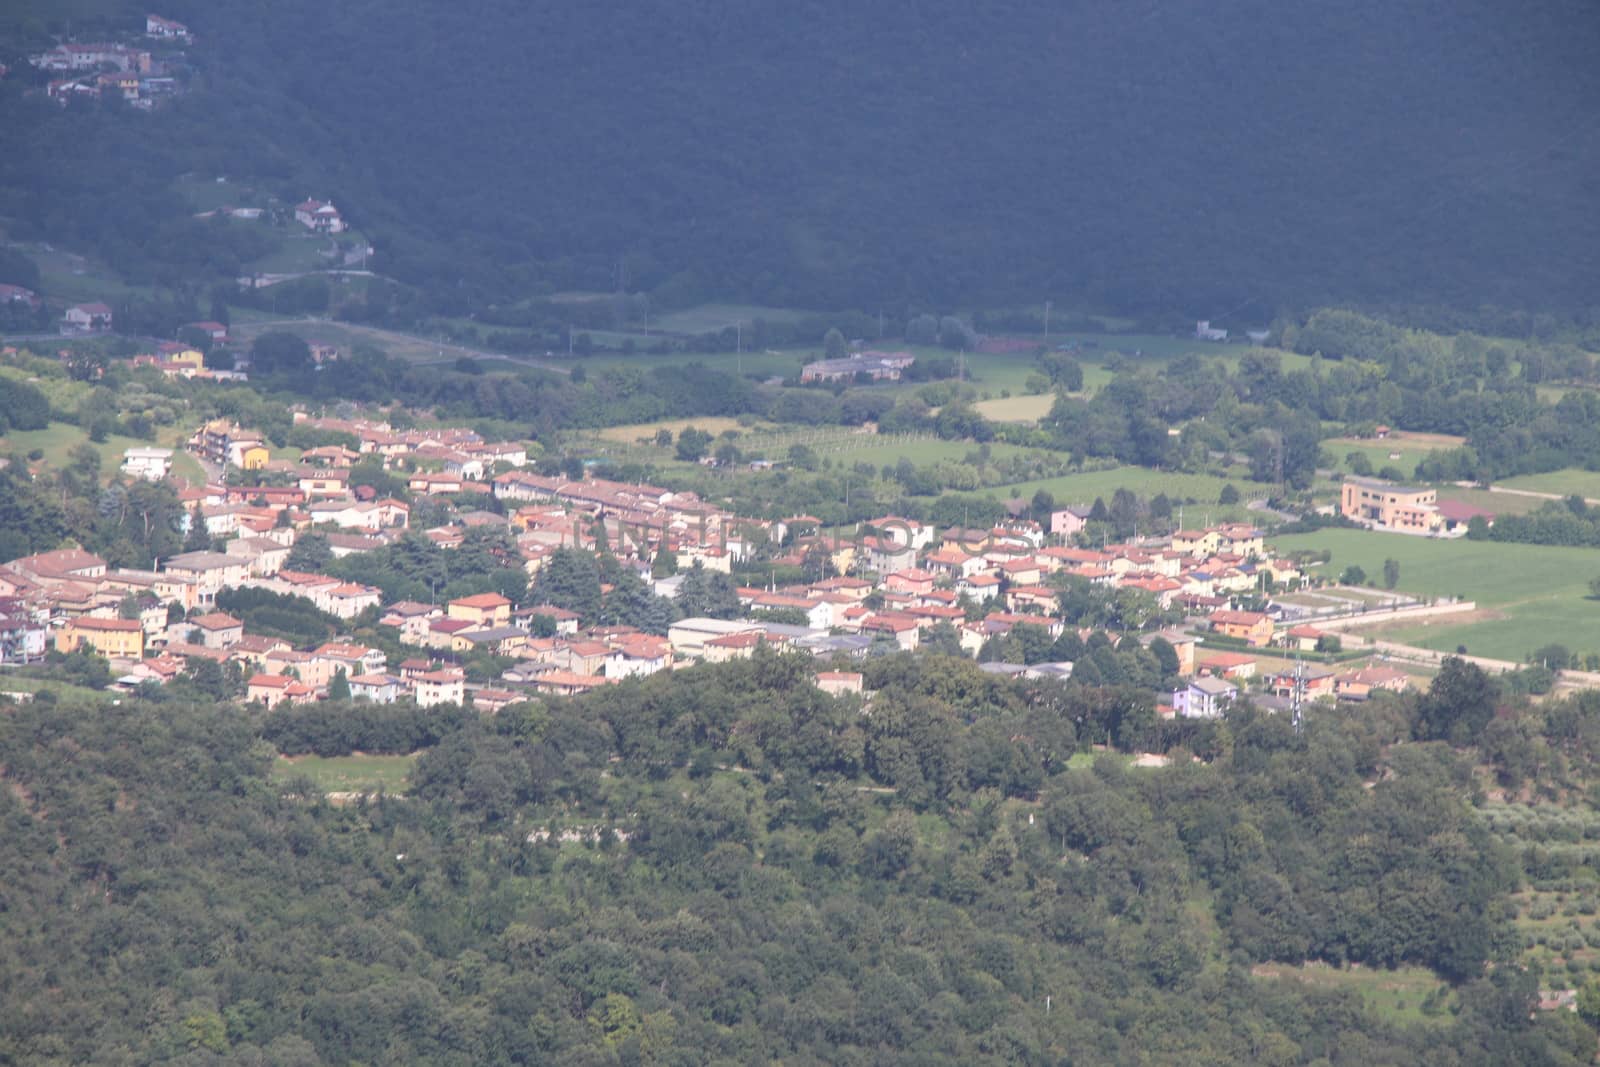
x: 1251, y: 627
x: 1395, y: 507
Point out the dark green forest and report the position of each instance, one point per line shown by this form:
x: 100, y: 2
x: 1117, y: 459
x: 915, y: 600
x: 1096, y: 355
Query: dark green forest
x: 1222, y: 160
x: 760, y: 872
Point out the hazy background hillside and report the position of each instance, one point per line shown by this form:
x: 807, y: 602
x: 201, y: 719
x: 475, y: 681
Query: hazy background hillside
x: 1240, y: 155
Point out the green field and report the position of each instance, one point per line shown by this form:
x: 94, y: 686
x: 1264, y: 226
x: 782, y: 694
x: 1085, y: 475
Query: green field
x: 63, y: 690
x: 1535, y: 594
x: 1073, y: 489
x: 1396, y: 995
x: 865, y: 448
x: 208, y: 194
x: 1016, y: 408
x: 299, y: 252
x: 348, y: 774
x: 72, y: 278
x: 1562, y: 482
x: 1378, y: 454
x: 1499, y: 503
x: 58, y: 439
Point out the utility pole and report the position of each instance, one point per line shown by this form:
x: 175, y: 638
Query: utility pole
x: 1297, y: 694
x: 1047, y: 322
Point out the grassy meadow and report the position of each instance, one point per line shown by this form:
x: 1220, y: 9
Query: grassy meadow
x: 58, y: 439
x: 1560, y: 483
x: 348, y: 774
x: 1529, y: 595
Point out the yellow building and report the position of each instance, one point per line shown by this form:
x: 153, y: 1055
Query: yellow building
x: 484, y: 610
x: 254, y: 457
x: 113, y: 638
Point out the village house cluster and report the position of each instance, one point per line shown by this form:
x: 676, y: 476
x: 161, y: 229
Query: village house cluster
x: 91, y: 70
x: 894, y: 579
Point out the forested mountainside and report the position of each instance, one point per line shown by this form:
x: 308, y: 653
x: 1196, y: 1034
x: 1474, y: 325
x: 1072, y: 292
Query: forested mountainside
x: 724, y: 865
x: 1234, y: 157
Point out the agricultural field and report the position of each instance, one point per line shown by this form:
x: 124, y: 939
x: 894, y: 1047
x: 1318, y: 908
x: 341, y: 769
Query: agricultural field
x: 1558, y: 912
x: 358, y: 773
x: 645, y: 431
x: 1402, y: 451
x: 1016, y: 408
x: 1399, y: 995
x: 869, y: 448
x: 1204, y: 489
x: 1530, y: 595
x: 1499, y: 503
x: 12, y: 684
x: 1558, y: 483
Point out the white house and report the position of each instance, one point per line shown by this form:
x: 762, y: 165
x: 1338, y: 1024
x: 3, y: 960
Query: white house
x: 166, y: 29
x: 1204, y: 331
x: 319, y: 216
x: 447, y: 686
x: 1204, y: 698
x: 86, y: 318
x: 151, y: 464
x: 378, y: 688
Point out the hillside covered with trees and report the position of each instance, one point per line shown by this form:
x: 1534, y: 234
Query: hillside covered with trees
x: 756, y: 872
x: 1220, y: 161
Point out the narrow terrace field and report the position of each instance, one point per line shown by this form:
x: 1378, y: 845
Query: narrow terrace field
x: 1535, y: 594
x: 348, y: 774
